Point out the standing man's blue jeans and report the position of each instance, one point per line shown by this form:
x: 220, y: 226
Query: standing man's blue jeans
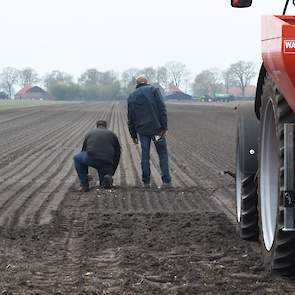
x: 82, y: 161
x: 161, y: 147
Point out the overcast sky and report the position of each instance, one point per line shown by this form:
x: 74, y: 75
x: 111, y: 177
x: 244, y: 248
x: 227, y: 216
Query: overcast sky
x: 73, y: 35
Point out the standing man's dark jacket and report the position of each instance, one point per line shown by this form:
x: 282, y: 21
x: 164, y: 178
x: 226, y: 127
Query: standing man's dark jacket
x: 102, y: 144
x: 146, y: 111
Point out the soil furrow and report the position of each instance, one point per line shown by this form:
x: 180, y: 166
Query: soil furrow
x: 28, y: 145
x: 123, y: 180
x: 58, y: 140
x: 35, y: 174
x: 130, y: 148
x: 27, y: 163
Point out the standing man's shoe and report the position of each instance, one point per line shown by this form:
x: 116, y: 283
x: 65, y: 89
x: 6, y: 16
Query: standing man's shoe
x: 107, y: 181
x: 83, y: 189
x: 147, y: 185
x: 166, y: 185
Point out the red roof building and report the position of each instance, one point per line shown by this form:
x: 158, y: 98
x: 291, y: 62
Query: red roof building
x: 32, y: 92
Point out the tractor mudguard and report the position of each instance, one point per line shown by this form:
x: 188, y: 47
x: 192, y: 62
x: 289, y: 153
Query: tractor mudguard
x: 248, y: 139
x: 278, y: 53
x: 259, y: 90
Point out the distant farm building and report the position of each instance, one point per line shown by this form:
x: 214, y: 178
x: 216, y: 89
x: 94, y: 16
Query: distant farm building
x: 173, y: 92
x: 3, y: 95
x: 32, y: 92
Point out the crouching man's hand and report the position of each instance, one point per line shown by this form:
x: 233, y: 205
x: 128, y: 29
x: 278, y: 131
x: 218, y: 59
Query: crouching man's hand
x: 135, y: 140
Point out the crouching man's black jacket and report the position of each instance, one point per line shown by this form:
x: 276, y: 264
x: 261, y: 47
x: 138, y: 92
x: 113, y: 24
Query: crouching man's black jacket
x: 102, y: 144
x: 146, y: 111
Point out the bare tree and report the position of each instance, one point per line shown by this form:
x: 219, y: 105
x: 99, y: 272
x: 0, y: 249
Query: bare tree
x: 150, y: 73
x: 228, y: 80
x: 57, y: 78
x: 177, y: 72
x: 242, y: 72
x: 107, y: 78
x: 28, y: 76
x: 128, y: 77
x: 206, y: 83
x: 90, y: 77
x: 162, y: 76
x: 9, y: 77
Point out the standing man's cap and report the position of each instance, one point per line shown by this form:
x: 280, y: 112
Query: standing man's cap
x: 101, y: 123
x: 141, y: 80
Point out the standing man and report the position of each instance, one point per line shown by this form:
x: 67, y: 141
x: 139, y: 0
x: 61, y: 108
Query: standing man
x: 147, y: 119
x: 101, y: 150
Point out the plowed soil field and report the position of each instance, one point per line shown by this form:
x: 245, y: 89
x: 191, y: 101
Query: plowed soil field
x: 127, y: 240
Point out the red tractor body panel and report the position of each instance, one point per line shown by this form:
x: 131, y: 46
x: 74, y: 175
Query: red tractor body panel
x: 278, y: 53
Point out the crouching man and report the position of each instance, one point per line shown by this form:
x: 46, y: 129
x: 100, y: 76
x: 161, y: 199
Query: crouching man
x: 101, y: 150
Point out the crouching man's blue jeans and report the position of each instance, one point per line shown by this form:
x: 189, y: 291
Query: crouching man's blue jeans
x: 82, y: 161
x: 161, y: 147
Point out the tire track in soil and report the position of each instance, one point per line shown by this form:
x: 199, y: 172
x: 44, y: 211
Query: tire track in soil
x: 66, y: 263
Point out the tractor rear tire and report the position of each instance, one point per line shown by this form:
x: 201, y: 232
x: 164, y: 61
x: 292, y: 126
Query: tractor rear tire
x: 278, y: 246
x: 246, y: 195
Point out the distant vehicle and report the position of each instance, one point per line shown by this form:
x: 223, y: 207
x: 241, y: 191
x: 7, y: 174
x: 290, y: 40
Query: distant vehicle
x: 3, y: 95
x: 265, y: 189
x: 224, y: 97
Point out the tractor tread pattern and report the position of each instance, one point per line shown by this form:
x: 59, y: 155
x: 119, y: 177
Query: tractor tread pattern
x: 249, y: 229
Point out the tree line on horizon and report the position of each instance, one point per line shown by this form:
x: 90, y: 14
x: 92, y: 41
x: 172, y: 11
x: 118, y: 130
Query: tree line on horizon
x: 109, y: 85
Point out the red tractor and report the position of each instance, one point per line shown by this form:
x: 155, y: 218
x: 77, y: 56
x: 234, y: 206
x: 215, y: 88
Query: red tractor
x: 265, y: 190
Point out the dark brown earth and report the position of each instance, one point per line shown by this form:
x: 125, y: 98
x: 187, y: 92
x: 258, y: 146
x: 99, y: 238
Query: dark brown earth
x: 126, y: 240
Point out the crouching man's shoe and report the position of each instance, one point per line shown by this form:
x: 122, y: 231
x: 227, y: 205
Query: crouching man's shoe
x: 107, y: 181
